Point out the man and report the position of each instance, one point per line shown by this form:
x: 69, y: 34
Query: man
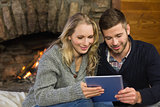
x: 138, y: 62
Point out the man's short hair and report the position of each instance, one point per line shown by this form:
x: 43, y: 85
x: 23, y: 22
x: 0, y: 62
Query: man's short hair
x: 110, y: 18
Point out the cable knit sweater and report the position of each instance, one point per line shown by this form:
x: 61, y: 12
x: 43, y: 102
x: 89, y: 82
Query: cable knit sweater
x: 141, y: 70
x: 55, y: 82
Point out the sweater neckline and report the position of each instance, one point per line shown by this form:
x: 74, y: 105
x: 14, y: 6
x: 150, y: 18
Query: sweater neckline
x: 125, y: 64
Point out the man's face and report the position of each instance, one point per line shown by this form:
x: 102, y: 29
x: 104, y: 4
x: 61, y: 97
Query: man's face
x: 116, y: 38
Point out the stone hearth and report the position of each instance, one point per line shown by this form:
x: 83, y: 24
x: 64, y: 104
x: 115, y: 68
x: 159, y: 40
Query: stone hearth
x: 20, y: 52
x: 28, y: 26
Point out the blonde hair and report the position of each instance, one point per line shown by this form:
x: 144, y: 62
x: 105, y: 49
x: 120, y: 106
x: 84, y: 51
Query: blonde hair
x: 67, y: 48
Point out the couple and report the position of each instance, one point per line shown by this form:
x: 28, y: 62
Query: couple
x: 77, y: 53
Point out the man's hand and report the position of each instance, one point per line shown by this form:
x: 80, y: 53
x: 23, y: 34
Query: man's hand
x: 91, y: 91
x: 129, y: 95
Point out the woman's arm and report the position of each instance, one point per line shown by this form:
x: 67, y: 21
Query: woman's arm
x: 45, y: 89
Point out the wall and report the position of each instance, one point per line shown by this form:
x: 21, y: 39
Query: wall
x: 22, y: 20
x: 23, y: 17
x: 144, y: 19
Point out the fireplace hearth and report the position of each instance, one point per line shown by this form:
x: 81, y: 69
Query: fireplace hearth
x: 20, y: 52
x: 20, y: 20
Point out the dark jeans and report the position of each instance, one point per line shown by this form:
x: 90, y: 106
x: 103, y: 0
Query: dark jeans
x: 82, y: 103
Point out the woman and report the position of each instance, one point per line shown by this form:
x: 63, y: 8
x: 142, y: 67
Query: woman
x: 64, y: 65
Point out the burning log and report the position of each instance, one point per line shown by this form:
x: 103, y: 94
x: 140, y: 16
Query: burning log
x: 30, y: 69
x: 25, y: 69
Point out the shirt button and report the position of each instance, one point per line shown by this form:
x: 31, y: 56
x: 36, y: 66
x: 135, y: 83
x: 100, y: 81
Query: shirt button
x: 75, y: 76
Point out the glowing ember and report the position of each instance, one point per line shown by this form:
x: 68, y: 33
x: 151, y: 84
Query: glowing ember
x: 30, y: 68
x: 19, y: 77
x: 35, y: 64
x: 23, y: 68
x: 27, y: 75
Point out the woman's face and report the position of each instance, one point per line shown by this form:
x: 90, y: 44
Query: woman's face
x: 82, y: 39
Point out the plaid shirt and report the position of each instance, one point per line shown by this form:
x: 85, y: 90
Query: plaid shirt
x: 113, y: 62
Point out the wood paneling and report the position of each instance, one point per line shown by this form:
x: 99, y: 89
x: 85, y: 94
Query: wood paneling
x: 116, y: 4
x: 144, y: 19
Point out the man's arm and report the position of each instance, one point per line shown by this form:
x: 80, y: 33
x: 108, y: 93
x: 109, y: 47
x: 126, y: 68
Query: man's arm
x: 129, y: 95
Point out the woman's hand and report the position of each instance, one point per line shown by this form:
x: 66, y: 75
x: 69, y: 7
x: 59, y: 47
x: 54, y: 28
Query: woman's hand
x: 129, y: 95
x: 91, y: 91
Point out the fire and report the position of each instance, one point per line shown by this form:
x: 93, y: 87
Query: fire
x: 23, y: 67
x: 28, y: 70
x: 19, y: 77
x: 27, y: 75
x: 35, y: 64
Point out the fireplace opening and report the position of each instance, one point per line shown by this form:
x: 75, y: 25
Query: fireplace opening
x: 19, y: 56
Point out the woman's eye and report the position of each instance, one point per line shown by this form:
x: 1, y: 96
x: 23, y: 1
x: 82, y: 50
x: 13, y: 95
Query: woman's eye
x: 90, y: 36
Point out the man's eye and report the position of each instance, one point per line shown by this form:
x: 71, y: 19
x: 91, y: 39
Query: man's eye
x: 108, y: 38
x: 79, y: 37
x: 119, y: 35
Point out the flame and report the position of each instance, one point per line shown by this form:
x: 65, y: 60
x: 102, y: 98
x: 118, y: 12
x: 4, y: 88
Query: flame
x: 27, y: 75
x: 23, y: 68
x: 19, y: 77
x: 35, y: 65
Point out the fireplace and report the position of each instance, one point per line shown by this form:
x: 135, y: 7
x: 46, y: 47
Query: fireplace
x: 22, y: 52
x: 27, y: 27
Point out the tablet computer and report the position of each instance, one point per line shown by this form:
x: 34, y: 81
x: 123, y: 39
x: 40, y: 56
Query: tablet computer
x: 111, y: 85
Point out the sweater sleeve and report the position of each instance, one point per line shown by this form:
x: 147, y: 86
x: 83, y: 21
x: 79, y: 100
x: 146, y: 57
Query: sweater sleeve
x: 44, y: 88
x: 152, y: 95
